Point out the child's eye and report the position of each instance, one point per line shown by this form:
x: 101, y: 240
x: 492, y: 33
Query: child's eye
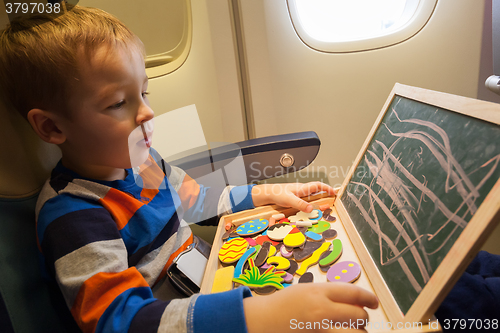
x: 117, y: 105
x: 145, y: 93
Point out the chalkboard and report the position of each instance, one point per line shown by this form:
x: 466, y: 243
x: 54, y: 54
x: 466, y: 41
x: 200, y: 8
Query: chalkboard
x: 423, y: 174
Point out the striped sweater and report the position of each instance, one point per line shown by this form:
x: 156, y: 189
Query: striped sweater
x: 108, y: 245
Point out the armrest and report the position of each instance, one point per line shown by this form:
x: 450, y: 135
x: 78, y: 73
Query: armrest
x: 261, y: 158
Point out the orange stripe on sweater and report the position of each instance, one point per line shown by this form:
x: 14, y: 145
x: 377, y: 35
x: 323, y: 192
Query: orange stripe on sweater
x: 188, y: 192
x: 184, y: 246
x: 121, y: 206
x: 152, y: 177
x: 99, y: 291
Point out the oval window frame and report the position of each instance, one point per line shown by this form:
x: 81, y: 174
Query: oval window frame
x: 165, y: 63
x: 418, y: 20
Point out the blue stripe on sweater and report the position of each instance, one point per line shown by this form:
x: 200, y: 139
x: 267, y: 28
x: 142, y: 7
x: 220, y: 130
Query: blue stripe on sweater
x: 119, y: 314
x: 59, y: 206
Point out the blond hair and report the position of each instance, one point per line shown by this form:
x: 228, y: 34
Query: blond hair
x: 40, y: 55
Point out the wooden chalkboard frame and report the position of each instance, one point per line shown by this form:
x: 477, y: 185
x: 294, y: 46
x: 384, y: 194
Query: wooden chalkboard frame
x: 468, y: 243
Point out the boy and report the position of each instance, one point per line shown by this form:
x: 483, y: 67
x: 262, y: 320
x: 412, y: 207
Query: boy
x: 80, y: 81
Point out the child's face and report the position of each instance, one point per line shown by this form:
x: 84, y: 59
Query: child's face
x: 108, y: 103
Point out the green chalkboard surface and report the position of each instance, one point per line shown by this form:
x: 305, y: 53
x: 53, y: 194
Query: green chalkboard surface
x: 423, y: 175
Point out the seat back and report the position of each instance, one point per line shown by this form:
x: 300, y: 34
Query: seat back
x: 27, y: 303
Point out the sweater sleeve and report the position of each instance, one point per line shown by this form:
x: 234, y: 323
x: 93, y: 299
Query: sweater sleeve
x: 84, y: 252
x: 221, y: 312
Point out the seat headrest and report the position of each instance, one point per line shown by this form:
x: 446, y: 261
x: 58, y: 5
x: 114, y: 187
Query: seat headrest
x: 25, y: 160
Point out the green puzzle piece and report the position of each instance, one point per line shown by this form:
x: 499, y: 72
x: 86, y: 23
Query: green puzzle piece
x: 319, y: 227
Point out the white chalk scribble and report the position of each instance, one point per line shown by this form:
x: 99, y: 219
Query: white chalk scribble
x: 411, y: 219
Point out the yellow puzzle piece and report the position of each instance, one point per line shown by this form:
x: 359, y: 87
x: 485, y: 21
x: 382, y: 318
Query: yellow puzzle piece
x: 313, y: 259
x: 223, y: 280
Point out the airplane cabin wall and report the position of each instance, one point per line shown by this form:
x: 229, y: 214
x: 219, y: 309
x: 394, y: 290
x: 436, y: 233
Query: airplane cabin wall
x: 203, y: 81
x: 295, y: 88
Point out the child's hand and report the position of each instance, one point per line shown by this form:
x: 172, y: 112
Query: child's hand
x: 288, y: 195
x: 325, y: 303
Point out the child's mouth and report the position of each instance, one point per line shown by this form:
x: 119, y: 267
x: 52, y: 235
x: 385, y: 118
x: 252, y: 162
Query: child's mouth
x: 146, y: 139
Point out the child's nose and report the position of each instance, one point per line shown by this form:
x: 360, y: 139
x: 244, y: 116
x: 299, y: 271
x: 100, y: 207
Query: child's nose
x: 144, y: 114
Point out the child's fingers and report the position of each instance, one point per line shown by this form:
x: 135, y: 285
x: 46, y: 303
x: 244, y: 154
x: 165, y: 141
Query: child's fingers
x: 350, y: 294
x: 314, y: 187
x: 347, y: 313
x: 298, y: 203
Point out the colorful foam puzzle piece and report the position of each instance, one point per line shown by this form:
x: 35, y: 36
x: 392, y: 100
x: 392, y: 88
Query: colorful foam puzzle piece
x: 312, y: 215
x: 231, y: 251
x: 308, y: 277
x: 293, y: 267
x: 278, y: 217
x: 281, y: 263
x: 257, y: 249
x: 328, y: 217
x: 302, y: 229
x: 267, y: 290
x: 279, y: 231
x: 253, y: 278
x: 272, y: 251
x: 287, y: 278
x: 317, y: 212
x: 313, y: 236
x: 307, y: 223
x: 228, y: 233
x: 223, y: 280
x: 262, y: 239
x: 263, y: 254
x: 278, y: 247
x: 324, y: 255
x: 320, y: 227
x: 285, y: 253
x: 329, y: 234
x: 250, y: 241
x: 302, y: 218
x: 345, y: 271
x: 252, y: 227
x: 294, y: 238
x: 312, y: 259
x: 238, y: 270
x: 337, y: 249
x: 307, y: 251
x: 265, y: 266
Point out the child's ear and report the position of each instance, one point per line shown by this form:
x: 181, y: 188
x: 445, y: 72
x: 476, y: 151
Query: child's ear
x: 44, y: 124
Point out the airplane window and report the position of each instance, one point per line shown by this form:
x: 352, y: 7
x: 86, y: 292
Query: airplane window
x: 164, y: 26
x: 357, y: 25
